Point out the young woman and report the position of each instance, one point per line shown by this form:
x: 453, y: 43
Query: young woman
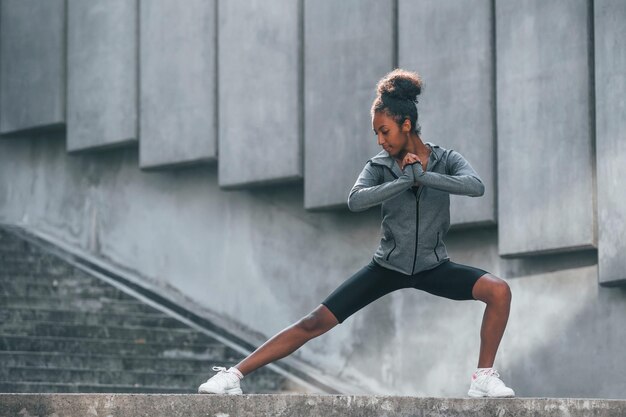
x: 413, y: 181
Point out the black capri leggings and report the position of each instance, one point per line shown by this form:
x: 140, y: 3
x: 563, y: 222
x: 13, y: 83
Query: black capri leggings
x: 449, y: 280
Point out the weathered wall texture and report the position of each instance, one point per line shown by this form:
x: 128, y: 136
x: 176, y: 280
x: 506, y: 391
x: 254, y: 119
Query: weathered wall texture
x: 349, y: 46
x: 261, y: 256
x: 545, y: 126
x: 259, y: 94
x: 102, y: 77
x: 177, y: 83
x: 32, y: 65
x: 610, y: 79
x: 457, y: 106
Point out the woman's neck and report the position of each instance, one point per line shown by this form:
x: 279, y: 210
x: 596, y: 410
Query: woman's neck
x: 415, y: 146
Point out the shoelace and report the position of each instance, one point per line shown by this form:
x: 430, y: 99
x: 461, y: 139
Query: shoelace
x: 495, y: 380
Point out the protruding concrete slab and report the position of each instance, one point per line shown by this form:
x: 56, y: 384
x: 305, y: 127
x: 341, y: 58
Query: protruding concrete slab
x: 259, y: 92
x: 102, y: 74
x: 610, y: 82
x: 32, y: 65
x: 283, y: 405
x: 450, y: 44
x: 349, y: 46
x: 177, y: 83
x: 545, y: 129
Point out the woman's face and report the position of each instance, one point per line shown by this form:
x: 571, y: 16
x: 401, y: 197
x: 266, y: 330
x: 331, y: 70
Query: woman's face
x: 391, y: 137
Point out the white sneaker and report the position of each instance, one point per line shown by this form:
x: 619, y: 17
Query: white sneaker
x: 489, y: 384
x: 221, y: 383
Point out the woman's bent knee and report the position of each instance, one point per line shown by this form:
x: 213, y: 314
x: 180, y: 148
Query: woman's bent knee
x: 318, y: 321
x: 492, y: 289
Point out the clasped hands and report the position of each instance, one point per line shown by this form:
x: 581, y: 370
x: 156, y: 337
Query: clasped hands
x: 410, y: 159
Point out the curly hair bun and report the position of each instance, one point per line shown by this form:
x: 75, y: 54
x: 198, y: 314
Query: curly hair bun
x: 400, y: 84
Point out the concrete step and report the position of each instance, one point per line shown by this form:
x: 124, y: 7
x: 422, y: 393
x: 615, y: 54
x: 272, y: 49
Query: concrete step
x: 49, y: 266
x: 57, y: 387
x: 76, y: 278
x: 301, y: 405
x: 158, y: 319
x: 60, y: 288
x: 102, y: 376
x: 100, y: 304
x: 113, y: 362
x: 208, y: 351
x: 61, y: 329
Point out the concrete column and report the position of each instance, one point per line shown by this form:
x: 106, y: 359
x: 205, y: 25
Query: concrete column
x: 259, y: 94
x: 177, y: 82
x: 102, y: 74
x: 610, y: 83
x: 545, y: 129
x: 349, y: 46
x: 32, y: 65
x: 450, y: 44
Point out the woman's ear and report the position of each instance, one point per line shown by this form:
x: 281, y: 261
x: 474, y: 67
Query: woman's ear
x: 406, y: 126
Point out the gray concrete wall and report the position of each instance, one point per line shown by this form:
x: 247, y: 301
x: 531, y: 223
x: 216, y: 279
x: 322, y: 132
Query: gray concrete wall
x: 181, y: 231
x: 220, y: 247
x: 450, y: 44
x: 545, y: 134
x: 349, y: 46
x: 32, y: 65
x: 102, y: 74
x: 259, y: 95
x: 177, y: 83
x: 610, y: 88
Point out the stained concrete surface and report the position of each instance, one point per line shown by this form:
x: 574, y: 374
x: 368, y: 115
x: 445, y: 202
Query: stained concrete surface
x: 102, y: 68
x: 177, y: 83
x: 259, y: 98
x: 545, y: 129
x: 610, y: 90
x: 450, y: 44
x: 154, y: 405
x: 347, y: 50
x: 32, y: 65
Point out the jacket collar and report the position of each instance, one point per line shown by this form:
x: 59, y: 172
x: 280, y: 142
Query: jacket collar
x: 383, y: 158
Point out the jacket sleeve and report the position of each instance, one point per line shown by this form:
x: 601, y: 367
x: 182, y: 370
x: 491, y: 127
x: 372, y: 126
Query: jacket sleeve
x: 462, y: 179
x: 369, y: 189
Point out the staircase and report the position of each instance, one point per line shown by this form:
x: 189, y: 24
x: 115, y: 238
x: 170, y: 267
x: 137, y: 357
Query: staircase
x: 64, y: 331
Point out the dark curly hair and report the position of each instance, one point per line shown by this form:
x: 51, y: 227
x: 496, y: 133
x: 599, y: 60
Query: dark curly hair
x: 397, y: 96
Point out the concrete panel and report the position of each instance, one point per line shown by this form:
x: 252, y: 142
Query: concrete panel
x: 349, y: 46
x: 259, y: 92
x: 177, y: 82
x: 102, y: 74
x: 545, y: 147
x: 610, y: 72
x: 450, y: 44
x: 32, y: 65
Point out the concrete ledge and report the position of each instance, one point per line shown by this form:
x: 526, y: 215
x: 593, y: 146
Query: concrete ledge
x: 153, y: 405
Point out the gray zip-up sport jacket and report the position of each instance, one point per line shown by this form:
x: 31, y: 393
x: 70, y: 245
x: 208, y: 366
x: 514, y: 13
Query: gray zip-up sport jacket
x: 415, y: 220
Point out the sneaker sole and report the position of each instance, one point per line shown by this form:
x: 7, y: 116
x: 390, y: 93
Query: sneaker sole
x: 477, y: 394
x: 232, y: 391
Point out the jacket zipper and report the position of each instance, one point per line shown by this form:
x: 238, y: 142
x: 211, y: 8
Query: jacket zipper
x: 436, y: 245
x: 394, y: 248
x: 417, y: 227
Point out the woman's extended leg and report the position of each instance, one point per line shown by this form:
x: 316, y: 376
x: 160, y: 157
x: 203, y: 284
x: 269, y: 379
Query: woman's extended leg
x: 318, y: 322
x: 496, y: 293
